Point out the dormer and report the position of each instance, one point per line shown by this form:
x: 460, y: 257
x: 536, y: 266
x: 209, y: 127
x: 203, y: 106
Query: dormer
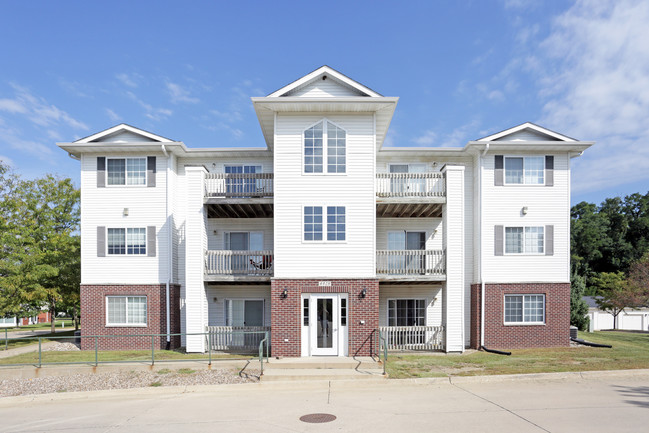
x: 324, y: 82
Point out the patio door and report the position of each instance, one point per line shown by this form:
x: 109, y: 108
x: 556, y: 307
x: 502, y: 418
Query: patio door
x: 325, y: 325
x: 408, y: 186
x: 409, y: 241
x: 243, y: 241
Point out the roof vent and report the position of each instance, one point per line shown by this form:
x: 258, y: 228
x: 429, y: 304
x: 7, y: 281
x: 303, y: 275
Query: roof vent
x: 324, y: 77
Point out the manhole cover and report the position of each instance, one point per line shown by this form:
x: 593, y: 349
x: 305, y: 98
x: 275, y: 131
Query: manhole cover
x: 318, y: 417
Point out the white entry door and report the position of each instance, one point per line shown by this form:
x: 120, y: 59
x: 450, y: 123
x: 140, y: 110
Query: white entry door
x: 324, y: 330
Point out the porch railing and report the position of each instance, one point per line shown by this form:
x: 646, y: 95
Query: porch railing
x: 413, y: 337
x: 410, y: 185
x: 410, y: 262
x: 236, y: 338
x: 229, y: 262
x: 239, y: 185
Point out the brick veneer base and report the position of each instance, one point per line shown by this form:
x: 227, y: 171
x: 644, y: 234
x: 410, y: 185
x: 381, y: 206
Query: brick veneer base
x: 286, y: 314
x: 93, y: 316
x: 554, y: 333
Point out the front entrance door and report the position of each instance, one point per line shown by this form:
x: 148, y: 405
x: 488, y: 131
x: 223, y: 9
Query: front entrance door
x: 325, y: 325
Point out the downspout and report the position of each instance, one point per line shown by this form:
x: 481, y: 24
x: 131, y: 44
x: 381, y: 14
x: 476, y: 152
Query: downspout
x: 482, y: 285
x: 169, y: 249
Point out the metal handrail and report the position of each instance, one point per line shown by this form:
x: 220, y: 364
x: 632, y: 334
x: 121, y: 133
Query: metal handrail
x: 385, y: 350
x: 261, y: 353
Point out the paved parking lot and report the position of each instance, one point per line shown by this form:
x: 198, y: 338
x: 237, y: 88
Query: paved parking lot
x: 594, y: 402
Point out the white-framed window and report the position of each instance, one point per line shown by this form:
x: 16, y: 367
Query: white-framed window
x: 126, y: 171
x: 317, y: 155
x: 524, y: 240
x: 126, y: 310
x: 312, y: 223
x: 126, y: 241
x: 244, y: 312
x: 524, y: 170
x: 529, y: 309
x: 336, y: 223
x: 406, y: 312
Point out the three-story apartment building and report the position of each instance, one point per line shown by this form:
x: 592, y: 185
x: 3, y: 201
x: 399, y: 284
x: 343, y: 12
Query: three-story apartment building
x: 324, y: 237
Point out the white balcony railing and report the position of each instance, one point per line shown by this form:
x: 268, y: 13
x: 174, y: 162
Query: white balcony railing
x: 239, y: 185
x: 228, y: 262
x: 236, y: 338
x: 410, y: 185
x: 413, y: 337
x: 410, y: 262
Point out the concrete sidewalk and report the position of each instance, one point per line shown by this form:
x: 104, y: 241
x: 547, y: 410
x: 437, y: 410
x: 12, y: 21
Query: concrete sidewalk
x: 593, y: 402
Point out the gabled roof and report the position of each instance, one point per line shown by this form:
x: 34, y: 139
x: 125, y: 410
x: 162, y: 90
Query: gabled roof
x: 324, y: 72
x: 514, y: 134
x: 128, y: 133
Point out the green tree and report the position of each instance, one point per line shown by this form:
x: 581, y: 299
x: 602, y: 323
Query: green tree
x: 578, y: 307
x: 615, y: 294
x: 38, y: 224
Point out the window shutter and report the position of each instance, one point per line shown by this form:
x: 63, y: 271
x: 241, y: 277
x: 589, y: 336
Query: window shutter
x: 101, y: 171
x: 549, y: 170
x: 101, y: 241
x: 150, y: 171
x: 150, y: 241
x: 498, y: 170
x: 498, y: 240
x: 549, y: 240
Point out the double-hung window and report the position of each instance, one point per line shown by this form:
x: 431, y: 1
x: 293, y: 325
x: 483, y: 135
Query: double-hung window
x: 126, y: 310
x: 524, y: 240
x: 528, y: 170
x: 314, y: 227
x: 525, y: 309
x: 126, y: 171
x: 131, y: 241
x: 325, y: 145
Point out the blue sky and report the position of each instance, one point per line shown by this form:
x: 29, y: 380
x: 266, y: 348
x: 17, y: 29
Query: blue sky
x: 465, y: 69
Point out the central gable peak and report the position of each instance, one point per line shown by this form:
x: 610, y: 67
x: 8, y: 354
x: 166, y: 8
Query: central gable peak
x: 324, y: 82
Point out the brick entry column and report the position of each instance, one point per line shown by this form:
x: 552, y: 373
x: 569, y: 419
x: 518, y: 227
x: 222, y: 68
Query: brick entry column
x: 286, y: 314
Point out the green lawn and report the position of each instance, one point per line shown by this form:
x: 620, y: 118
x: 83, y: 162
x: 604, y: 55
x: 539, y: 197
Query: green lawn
x: 630, y: 351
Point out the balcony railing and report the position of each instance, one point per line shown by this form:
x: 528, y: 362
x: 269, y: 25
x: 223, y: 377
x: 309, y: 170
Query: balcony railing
x: 410, y: 262
x: 410, y: 185
x: 239, y: 185
x: 227, y: 262
x: 413, y: 337
x: 236, y: 338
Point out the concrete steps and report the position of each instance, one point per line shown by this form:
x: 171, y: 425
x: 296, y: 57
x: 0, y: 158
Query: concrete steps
x: 338, y: 368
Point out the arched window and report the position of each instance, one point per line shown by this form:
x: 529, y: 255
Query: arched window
x: 316, y: 154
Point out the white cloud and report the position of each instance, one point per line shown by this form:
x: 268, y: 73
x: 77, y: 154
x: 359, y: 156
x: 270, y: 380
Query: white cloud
x: 12, y: 138
x: 460, y: 135
x: 8, y: 161
x: 12, y: 106
x: 427, y: 139
x: 180, y: 94
x: 593, y: 72
x: 114, y: 117
x: 129, y: 80
x: 151, y: 112
x: 39, y: 111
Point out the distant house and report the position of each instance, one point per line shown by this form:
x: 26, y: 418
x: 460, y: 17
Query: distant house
x: 10, y: 322
x: 630, y: 319
x: 325, y: 237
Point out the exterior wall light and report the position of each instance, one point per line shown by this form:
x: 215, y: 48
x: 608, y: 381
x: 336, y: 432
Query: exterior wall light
x: 284, y: 293
x: 125, y: 213
x: 524, y: 210
x: 363, y: 293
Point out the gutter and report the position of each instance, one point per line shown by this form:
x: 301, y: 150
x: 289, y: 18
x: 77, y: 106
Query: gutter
x: 169, y: 264
x: 74, y: 156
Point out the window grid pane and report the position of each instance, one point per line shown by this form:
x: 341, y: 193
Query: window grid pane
x: 336, y: 143
x: 116, y: 171
x: 136, y: 241
x: 513, y: 240
x: 407, y: 312
x: 136, y: 171
x: 534, y: 240
x: 313, y: 223
x: 136, y: 307
x: 514, y: 170
x: 313, y: 149
x: 513, y: 308
x: 534, y: 170
x: 335, y: 223
x: 116, y: 310
x: 116, y: 241
x: 524, y: 309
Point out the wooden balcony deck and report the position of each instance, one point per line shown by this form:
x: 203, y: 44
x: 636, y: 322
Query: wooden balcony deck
x: 233, y: 266
x: 410, y: 195
x: 239, y: 195
x: 411, y: 265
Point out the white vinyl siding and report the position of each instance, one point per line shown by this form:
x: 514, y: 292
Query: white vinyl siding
x: 126, y: 310
x: 527, y: 170
x: 126, y: 171
x: 527, y: 309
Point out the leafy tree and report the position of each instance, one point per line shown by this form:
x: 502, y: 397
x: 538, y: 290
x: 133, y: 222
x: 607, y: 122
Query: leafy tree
x: 38, y: 222
x: 639, y: 281
x: 578, y: 307
x: 615, y: 294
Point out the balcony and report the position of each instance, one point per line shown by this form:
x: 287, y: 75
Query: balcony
x: 232, y: 266
x: 411, y: 265
x: 239, y: 195
x: 409, y: 195
x: 413, y: 338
